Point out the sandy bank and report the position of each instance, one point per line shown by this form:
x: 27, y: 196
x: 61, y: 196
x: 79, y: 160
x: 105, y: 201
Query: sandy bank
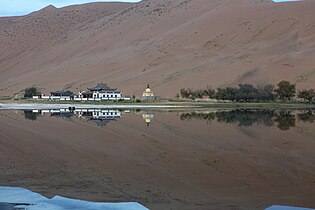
x: 26, y: 106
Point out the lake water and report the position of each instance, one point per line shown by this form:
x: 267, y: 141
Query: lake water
x: 163, y: 159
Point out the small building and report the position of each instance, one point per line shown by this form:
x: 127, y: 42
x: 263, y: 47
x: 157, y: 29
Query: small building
x: 85, y: 94
x: 98, y: 93
x: 38, y: 96
x: 148, y: 94
x: 61, y: 95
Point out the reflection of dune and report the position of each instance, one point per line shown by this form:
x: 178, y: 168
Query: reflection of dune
x: 175, y: 164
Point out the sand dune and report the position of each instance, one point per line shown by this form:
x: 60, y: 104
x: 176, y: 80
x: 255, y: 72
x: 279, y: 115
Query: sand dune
x: 170, y: 44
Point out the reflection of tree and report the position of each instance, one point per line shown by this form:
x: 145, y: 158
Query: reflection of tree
x: 285, y: 120
x: 63, y: 114
x: 307, y: 116
x: 30, y: 115
x: 246, y: 118
x: 200, y: 116
x: 241, y: 117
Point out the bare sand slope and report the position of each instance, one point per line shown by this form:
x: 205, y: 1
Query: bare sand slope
x: 170, y: 44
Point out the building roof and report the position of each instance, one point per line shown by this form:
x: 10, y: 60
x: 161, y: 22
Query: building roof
x: 86, y: 93
x: 62, y: 93
x: 56, y: 92
x: 101, y: 87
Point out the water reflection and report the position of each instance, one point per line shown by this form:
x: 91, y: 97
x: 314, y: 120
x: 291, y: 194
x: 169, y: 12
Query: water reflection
x: 239, y: 156
x: 30, y: 115
x: 148, y: 117
x: 282, y: 119
x: 307, y: 116
x: 100, y: 117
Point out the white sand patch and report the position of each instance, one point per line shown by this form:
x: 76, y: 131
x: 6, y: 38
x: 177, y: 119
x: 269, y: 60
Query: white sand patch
x: 36, y: 201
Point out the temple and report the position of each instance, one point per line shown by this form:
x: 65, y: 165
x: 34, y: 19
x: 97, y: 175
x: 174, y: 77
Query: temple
x: 148, y: 94
x: 101, y: 92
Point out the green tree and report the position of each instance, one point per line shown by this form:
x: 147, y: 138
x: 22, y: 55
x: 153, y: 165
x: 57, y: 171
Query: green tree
x: 265, y: 93
x: 30, y: 92
x: 228, y: 93
x: 285, y: 90
x: 184, y: 93
x: 307, y: 95
x: 197, y: 93
x: 246, y: 92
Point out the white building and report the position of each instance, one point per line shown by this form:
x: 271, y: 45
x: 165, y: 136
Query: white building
x: 100, y: 92
x: 61, y: 96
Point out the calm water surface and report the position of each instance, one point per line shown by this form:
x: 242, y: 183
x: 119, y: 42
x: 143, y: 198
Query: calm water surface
x: 171, y: 159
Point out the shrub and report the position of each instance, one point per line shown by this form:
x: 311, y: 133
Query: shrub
x: 228, y: 93
x: 209, y: 92
x: 30, y: 92
x: 307, y: 95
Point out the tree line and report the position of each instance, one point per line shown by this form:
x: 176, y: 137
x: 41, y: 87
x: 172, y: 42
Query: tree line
x: 33, y: 91
x: 284, y: 91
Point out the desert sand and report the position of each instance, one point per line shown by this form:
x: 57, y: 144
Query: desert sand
x: 169, y: 44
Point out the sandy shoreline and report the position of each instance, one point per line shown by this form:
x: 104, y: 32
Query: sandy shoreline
x: 15, y: 106
x: 170, y: 105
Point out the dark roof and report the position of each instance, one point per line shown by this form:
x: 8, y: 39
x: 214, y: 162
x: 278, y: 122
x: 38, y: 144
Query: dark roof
x: 62, y: 93
x: 100, y: 87
x: 56, y: 92
x: 87, y: 93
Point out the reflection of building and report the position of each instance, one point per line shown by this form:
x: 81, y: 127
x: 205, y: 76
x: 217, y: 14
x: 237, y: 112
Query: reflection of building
x: 100, y: 116
x: 148, y: 94
x: 148, y: 117
x: 103, y: 118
